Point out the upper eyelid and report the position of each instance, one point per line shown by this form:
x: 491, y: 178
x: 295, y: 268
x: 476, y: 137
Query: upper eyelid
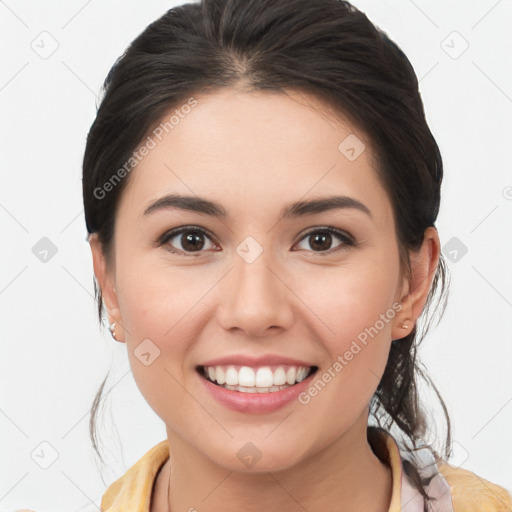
x: 330, y: 229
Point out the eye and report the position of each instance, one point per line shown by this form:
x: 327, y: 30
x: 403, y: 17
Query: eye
x: 320, y: 239
x: 190, y: 238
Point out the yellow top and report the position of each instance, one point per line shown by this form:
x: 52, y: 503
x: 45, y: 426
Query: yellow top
x: 456, y: 489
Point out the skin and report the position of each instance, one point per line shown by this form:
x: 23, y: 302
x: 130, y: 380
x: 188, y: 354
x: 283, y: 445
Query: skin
x: 254, y: 153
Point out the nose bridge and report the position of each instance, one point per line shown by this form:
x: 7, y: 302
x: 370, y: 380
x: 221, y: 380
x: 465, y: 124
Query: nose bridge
x: 256, y: 297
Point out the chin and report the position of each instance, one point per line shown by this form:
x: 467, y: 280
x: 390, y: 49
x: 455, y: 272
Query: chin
x: 258, y: 456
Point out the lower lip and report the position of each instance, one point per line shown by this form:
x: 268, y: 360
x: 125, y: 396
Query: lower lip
x: 256, y: 403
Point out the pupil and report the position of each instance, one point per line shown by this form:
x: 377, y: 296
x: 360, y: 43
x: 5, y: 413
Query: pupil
x: 191, y: 240
x: 322, y: 238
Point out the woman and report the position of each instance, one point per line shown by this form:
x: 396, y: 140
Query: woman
x: 261, y: 190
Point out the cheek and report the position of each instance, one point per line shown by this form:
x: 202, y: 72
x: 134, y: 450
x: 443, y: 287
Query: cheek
x: 354, y: 303
x: 160, y: 319
x: 160, y: 335
x: 354, y: 314
x: 157, y: 298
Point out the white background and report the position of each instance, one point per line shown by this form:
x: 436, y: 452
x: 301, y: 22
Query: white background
x: 54, y: 356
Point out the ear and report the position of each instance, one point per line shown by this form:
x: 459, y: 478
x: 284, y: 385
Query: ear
x: 106, y: 281
x: 414, y: 294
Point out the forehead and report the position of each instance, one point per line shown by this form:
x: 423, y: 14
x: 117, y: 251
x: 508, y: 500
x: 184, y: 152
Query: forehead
x: 255, y: 150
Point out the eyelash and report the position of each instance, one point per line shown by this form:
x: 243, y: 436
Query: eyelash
x: 347, y: 240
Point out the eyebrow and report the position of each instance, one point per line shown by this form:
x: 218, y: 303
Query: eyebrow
x: 290, y: 211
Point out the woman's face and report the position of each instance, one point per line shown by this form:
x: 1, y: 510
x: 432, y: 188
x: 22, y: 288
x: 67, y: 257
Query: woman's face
x: 259, y: 289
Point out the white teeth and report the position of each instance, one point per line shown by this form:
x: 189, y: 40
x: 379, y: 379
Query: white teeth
x: 290, y: 375
x: 243, y: 389
x: 279, y: 376
x: 219, y: 375
x: 232, y: 376
x: 256, y: 380
x: 246, y: 377
x: 264, y: 377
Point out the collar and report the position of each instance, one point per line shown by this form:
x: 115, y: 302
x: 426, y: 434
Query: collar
x: 132, y: 491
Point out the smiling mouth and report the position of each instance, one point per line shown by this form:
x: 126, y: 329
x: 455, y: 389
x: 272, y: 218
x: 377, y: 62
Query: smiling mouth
x: 263, y: 379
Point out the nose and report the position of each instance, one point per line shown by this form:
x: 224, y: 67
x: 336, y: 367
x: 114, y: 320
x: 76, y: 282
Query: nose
x: 255, y: 298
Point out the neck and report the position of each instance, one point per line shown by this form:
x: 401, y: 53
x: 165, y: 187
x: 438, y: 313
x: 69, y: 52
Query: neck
x: 346, y: 475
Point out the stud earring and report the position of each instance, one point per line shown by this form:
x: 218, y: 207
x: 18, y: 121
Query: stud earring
x: 112, y: 329
x: 404, y: 326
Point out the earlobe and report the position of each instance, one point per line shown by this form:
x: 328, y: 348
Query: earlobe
x: 423, y: 269
x: 105, y: 279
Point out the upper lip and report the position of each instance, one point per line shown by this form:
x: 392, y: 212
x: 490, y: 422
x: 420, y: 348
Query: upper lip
x: 253, y: 361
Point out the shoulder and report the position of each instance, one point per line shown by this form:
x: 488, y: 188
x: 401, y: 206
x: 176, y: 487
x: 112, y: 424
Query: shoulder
x: 472, y: 493
x: 133, y: 490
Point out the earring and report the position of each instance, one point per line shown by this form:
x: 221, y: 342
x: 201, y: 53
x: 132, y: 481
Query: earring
x: 404, y: 326
x: 112, y: 329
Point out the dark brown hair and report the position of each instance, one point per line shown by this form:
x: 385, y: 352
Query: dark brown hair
x: 326, y: 48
